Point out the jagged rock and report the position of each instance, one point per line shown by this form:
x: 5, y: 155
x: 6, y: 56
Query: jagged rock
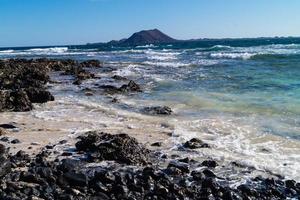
x: 17, y: 101
x: 37, y: 95
x: 121, y: 148
x: 22, y: 83
x: 184, y: 167
x: 126, y: 88
x: 131, y: 87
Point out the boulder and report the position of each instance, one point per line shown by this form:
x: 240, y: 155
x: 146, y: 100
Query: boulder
x: 37, y: 95
x: 195, y: 143
x: 17, y: 101
x: 120, y: 148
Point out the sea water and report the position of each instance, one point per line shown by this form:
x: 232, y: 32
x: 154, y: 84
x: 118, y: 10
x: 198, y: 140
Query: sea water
x: 242, y: 96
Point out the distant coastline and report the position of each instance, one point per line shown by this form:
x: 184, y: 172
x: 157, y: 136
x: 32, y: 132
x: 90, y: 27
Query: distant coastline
x: 162, y: 38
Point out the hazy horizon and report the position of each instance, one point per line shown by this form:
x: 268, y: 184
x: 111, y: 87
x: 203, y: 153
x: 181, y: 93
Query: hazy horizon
x: 77, y: 22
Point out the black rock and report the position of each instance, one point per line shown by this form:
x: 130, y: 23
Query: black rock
x: 156, y: 144
x: 158, y: 110
x: 15, y: 141
x: 119, y: 78
x: 77, y: 82
x: 7, y: 126
x: 16, y: 101
x: 121, y: 148
x: 126, y: 88
x: 209, y: 163
x: 76, y: 178
x: 4, y: 139
x: 195, y: 144
x: 208, y: 173
x: 37, y: 95
x: 184, y: 167
x: 197, y: 175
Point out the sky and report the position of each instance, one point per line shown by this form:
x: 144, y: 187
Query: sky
x: 63, y: 22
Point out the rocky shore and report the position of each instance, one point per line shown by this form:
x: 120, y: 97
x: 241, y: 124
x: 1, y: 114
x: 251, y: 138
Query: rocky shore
x: 111, y: 166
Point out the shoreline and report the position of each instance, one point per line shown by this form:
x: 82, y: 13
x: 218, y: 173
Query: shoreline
x: 148, y: 130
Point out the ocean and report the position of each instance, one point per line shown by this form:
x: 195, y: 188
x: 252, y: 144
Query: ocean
x: 242, y: 95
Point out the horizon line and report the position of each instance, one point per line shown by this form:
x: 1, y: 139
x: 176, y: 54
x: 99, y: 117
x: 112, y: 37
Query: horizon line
x: 187, y: 40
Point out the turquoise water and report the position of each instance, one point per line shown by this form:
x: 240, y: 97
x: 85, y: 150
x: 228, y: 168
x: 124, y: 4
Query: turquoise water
x: 250, y: 78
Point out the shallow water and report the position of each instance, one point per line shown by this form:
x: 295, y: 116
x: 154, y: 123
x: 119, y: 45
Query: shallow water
x: 243, y: 97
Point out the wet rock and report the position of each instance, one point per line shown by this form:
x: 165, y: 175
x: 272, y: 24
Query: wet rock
x: 114, y: 100
x: 37, y: 95
x: 126, y: 88
x: 121, y: 148
x: 131, y: 87
x: 66, y: 154
x: 22, y: 82
x: 290, y: 184
x: 197, y: 175
x: 88, y: 94
x: 76, y: 178
x: 4, y: 139
x: 77, y: 82
x: 184, y: 167
x: 195, y: 144
x: 208, y: 173
x: 209, y: 163
x: 119, y: 78
x: 158, y: 110
x: 17, y: 101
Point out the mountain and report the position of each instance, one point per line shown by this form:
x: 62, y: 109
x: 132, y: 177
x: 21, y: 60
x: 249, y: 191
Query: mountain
x: 144, y: 37
x: 154, y: 36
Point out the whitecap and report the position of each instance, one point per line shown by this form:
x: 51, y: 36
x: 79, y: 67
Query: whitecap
x: 48, y: 50
x: 168, y: 64
x: 147, y: 46
x: 9, y: 51
x: 244, y: 56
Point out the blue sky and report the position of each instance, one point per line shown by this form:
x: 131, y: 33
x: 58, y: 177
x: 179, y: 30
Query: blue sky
x: 59, y: 22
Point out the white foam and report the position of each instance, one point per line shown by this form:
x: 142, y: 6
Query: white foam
x: 167, y: 64
x: 57, y: 50
x: 243, y: 56
x: 147, y: 46
x: 7, y: 51
x: 130, y: 70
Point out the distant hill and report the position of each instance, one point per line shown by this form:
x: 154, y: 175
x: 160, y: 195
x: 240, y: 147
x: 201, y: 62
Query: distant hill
x: 154, y: 36
x: 144, y: 37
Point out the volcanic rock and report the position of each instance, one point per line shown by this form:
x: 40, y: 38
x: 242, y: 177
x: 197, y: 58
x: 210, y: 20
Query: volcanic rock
x: 120, y: 148
x: 158, y: 110
x: 195, y: 144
